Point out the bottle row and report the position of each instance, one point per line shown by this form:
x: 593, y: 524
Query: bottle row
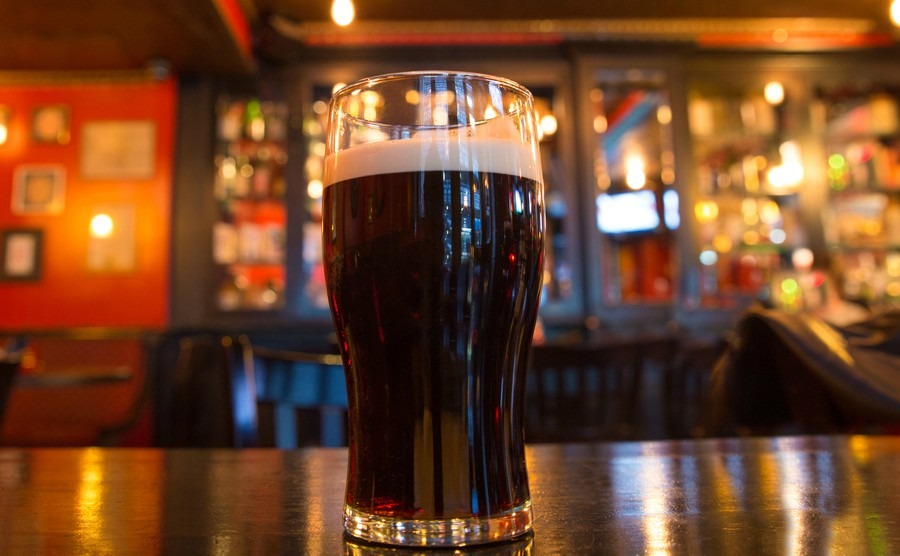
x: 768, y: 162
x: 249, y: 233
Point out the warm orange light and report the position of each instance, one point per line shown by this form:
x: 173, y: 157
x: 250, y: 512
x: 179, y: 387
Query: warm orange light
x: 549, y: 124
x: 635, y: 176
x: 895, y: 12
x: 802, y: 259
x: 789, y: 174
x: 102, y: 225
x: 343, y: 12
x: 4, y: 124
x: 314, y: 189
x: 706, y: 211
x: 774, y: 92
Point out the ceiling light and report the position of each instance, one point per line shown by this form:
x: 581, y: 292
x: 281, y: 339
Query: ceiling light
x: 342, y: 12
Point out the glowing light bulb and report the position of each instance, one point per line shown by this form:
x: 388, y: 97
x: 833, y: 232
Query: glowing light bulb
x: 549, y: 124
x: 635, y: 177
x: 802, y: 258
x: 706, y: 211
x: 774, y: 92
x: 664, y: 114
x: 314, y: 189
x: 343, y: 12
x: 895, y: 12
x: 788, y: 174
x: 4, y: 124
x: 102, y: 225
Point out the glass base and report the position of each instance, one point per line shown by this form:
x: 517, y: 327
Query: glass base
x: 461, y: 531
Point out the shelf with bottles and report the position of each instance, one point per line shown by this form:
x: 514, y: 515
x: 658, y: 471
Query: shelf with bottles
x: 868, y: 277
x: 560, y: 247
x: 249, y: 232
x: 638, y: 270
x: 739, y: 142
x: 860, y: 128
x: 858, y: 124
x: 253, y: 287
x: 748, y: 173
x: 742, y: 242
x: 635, y: 195
x: 314, y: 124
x: 863, y: 220
x: 864, y: 164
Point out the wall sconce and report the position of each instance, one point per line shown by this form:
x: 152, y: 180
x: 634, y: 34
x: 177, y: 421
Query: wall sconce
x: 102, y: 225
x: 111, y: 239
x: 548, y: 125
x: 4, y: 124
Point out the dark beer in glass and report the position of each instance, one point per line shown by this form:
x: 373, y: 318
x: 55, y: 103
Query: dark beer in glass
x: 433, y: 247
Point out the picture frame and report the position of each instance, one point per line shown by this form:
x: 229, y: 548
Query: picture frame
x: 38, y: 189
x: 50, y: 124
x: 118, y: 150
x: 21, y: 254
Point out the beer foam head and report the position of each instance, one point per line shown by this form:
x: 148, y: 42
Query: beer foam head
x: 489, y: 150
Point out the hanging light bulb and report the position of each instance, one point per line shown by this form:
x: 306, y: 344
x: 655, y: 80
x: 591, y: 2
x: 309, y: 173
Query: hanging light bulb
x: 343, y: 12
x: 895, y: 12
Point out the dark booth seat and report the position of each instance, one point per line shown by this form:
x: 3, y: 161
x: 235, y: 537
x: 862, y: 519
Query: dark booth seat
x: 797, y: 373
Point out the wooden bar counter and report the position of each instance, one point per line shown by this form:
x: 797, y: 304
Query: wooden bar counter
x: 795, y: 495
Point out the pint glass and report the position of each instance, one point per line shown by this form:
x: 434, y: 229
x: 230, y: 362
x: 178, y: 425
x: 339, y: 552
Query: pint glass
x: 433, y: 219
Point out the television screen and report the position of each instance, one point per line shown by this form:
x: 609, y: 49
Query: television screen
x: 633, y: 211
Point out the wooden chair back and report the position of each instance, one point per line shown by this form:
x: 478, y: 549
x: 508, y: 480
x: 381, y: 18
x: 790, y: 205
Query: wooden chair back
x: 285, y: 398
x: 10, y: 359
x: 583, y: 392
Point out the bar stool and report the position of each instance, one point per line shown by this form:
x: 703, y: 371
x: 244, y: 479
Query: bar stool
x: 795, y: 373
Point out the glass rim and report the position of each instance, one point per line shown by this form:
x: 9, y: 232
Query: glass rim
x: 368, y: 82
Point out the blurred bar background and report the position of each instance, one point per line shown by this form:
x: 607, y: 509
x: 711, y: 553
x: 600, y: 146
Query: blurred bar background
x: 160, y: 190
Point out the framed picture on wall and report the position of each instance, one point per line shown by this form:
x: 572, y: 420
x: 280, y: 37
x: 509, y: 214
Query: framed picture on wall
x: 50, y: 124
x: 21, y: 252
x: 118, y: 150
x: 38, y: 189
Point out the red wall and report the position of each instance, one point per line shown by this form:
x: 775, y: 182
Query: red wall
x: 68, y: 294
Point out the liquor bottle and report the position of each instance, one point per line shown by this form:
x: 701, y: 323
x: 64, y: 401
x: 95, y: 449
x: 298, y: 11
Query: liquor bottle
x: 231, y: 292
x: 254, y: 122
